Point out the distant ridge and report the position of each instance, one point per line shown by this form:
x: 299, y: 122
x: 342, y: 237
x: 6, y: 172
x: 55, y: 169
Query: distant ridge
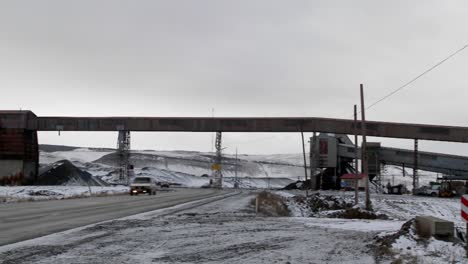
x: 54, y: 148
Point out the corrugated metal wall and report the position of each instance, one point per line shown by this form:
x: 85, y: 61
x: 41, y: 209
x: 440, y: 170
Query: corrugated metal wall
x: 18, y: 145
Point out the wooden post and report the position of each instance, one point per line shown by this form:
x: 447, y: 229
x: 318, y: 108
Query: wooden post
x: 356, y: 164
x: 415, y: 166
x: 90, y: 192
x: 365, y: 169
x: 313, y: 164
x: 256, y: 205
x: 305, y: 161
x: 236, y: 180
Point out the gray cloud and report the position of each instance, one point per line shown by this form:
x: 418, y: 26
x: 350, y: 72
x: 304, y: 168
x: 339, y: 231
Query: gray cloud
x: 243, y: 58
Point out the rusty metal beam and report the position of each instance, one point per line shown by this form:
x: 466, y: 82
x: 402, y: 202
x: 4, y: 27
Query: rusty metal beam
x: 233, y: 124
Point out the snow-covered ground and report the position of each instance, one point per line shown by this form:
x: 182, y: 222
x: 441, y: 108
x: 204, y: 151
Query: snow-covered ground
x: 40, y: 193
x: 413, y: 249
x: 229, y: 231
x: 399, y: 209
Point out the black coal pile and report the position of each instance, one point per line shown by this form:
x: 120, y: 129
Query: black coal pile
x: 357, y: 213
x: 298, y: 185
x: 319, y: 203
x: 63, y: 172
x: 334, y: 207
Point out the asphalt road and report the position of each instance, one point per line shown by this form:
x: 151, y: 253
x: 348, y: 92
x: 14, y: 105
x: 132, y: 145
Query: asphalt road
x: 22, y: 221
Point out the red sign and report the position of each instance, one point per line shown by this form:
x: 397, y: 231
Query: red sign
x: 464, y: 207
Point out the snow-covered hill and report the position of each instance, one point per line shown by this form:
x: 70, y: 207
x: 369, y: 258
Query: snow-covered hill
x: 394, y: 175
x: 188, y: 168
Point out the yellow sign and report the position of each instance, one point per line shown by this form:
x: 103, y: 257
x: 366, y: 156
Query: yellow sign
x: 216, y: 167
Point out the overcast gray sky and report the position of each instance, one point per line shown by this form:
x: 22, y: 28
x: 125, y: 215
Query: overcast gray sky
x: 242, y: 58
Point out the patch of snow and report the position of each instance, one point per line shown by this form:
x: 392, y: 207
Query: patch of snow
x: 429, y: 251
x: 284, y: 194
x: 360, y: 225
x: 225, y: 231
x: 40, y: 193
x: 80, y: 155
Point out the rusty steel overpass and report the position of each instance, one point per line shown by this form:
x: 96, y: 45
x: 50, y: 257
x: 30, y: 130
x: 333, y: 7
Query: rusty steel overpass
x: 19, y: 143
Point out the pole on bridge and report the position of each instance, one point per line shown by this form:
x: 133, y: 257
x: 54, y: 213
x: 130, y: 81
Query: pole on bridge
x: 365, y: 169
x: 356, y: 162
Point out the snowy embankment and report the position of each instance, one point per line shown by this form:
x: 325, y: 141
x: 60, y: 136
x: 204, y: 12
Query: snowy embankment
x: 408, y: 245
x: 41, y: 193
x: 225, y: 231
x: 397, y: 239
x: 229, y: 231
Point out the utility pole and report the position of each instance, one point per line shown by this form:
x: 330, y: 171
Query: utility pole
x: 415, y: 167
x: 356, y: 162
x: 305, y: 162
x: 313, y: 164
x: 236, y: 181
x: 365, y: 169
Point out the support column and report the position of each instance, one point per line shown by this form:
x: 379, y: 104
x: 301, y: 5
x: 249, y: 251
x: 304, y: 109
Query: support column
x: 123, y: 152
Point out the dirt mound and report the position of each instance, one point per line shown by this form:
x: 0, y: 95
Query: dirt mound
x: 65, y: 173
x: 42, y: 193
x: 269, y: 204
x: 298, y: 185
x: 383, y: 244
x: 318, y: 205
x: 357, y: 213
x: 318, y: 202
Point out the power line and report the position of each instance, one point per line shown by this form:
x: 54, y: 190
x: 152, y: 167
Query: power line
x: 417, y: 77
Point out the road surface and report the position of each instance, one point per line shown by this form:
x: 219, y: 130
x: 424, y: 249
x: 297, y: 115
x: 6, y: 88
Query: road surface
x: 22, y: 221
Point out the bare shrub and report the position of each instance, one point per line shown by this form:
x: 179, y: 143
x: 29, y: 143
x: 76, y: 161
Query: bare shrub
x: 269, y: 204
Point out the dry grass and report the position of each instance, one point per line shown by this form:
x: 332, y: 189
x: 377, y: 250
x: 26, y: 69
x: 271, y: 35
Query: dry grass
x: 270, y: 204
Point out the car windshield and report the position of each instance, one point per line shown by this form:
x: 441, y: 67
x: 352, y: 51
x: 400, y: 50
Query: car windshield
x: 142, y: 180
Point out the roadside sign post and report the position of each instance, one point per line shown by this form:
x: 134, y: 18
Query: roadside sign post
x: 464, y: 215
